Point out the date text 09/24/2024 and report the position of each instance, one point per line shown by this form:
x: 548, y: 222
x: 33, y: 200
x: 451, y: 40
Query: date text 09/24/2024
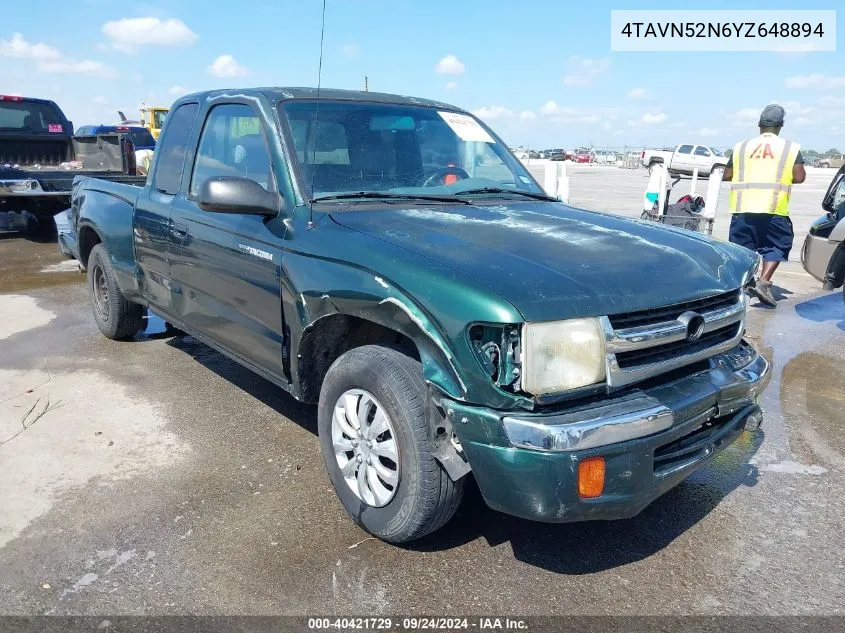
x: 418, y: 623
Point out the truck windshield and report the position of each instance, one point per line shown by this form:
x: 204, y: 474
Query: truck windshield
x: 350, y: 147
x: 158, y: 118
x: 29, y: 117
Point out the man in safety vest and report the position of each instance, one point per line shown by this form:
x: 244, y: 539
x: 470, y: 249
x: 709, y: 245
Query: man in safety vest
x: 761, y: 171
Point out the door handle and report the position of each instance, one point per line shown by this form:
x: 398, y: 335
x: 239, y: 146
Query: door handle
x: 179, y: 231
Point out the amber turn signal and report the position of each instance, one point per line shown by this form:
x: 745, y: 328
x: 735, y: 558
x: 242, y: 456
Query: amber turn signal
x: 591, y: 477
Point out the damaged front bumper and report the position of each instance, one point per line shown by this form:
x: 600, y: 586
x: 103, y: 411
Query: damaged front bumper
x: 526, y: 464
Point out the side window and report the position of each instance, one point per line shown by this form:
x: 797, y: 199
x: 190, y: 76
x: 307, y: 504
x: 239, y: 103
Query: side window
x: 702, y: 151
x: 170, y: 153
x: 232, y: 144
x: 685, y: 149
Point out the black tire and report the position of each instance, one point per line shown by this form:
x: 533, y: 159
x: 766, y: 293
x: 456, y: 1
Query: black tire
x: 425, y: 498
x: 116, y: 317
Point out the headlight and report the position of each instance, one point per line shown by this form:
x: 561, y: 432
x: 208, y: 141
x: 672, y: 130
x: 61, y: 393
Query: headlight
x: 562, y: 355
x: 752, y: 272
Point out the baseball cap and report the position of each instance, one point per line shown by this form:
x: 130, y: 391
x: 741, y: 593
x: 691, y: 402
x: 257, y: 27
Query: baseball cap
x: 772, y: 116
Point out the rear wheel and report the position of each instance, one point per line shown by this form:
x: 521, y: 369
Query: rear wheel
x: 374, y: 439
x: 116, y: 317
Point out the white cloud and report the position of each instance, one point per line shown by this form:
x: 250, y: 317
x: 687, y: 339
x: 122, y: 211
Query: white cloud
x: 832, y: 102
x: 100, y: 100
x: 19, y: 47
x: 637, y: 93
x: 581, y: 71
x: 450, y: 65
x: 178, y: 91
x: 351, y: 49
x: 85, y: 66
x: 708, y: 131
x: 677, y: 124
x: 451, y: 85
x: 550, y: 107
x: 653, y: 119
x: 746, y: 117
x: 49, y: 59
x: 492, y: 112
x: 815, y: 80
x: 618, y: 132
x: 566, y: 115
x: 527, y: 115
x: 226, y: 66
x: 127, y: 34
x: 802, y: 120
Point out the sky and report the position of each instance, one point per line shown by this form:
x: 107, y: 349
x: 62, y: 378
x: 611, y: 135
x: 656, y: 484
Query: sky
x: 539, y: 72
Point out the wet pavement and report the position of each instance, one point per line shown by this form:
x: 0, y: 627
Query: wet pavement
x: 155, y: 476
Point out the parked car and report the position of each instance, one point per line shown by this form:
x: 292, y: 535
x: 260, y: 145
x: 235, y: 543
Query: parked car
x: 604, y: 158
x: 685, y: 159
x: 583, y: 155
x: 398, y: 301
x: 556, y: 154
x: 823, y: 254
x: 40, y: 156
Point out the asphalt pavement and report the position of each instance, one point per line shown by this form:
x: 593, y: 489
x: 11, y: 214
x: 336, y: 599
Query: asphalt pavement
x: 157, y: 477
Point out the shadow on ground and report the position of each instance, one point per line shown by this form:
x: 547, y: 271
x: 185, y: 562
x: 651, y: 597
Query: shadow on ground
x: 823, y: 309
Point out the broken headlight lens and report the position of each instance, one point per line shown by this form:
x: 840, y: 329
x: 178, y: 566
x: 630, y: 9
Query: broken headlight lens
x: 562, y: 355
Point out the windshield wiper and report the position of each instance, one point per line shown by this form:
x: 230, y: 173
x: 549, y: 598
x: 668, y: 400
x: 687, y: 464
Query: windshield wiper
x: 385, y: 195
x: 518, y: 192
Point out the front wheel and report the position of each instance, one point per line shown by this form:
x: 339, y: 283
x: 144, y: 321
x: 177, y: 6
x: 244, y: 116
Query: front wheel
x: 375, y: 443
x: 116, y: 317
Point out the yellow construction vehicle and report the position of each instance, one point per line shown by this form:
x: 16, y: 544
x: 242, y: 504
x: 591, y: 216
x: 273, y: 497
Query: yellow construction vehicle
x: 152, y: 118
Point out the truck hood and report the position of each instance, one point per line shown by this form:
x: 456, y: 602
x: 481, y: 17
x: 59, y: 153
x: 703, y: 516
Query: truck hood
x: 552, y: 261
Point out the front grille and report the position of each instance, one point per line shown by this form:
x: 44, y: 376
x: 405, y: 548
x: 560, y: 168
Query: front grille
x: 668, y: 351
x: 672, y: 312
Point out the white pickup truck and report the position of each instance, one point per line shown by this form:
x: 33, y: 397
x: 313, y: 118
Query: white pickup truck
x: 686, y: 158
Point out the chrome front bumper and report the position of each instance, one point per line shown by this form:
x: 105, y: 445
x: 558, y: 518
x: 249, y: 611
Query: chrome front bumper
x: 733, y: 381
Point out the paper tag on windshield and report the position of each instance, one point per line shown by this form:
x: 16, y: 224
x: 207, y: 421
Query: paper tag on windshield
x: 466, y: 127
x: 55, y: 127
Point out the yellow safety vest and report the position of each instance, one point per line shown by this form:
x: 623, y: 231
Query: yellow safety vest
x: 762, y: 175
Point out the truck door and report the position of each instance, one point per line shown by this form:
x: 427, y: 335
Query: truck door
x: 702, y: 159
x: 226, y: 267
x: 682, y: 160
x: 152, y: 224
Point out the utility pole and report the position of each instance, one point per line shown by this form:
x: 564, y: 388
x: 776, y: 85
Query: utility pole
x: 366, y: 84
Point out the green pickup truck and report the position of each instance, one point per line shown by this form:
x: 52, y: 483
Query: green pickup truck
x: 390, y: 260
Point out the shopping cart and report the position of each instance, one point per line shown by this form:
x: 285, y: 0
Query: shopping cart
x: 690, y: 212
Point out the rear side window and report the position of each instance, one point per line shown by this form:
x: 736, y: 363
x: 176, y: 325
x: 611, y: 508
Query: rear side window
x: 325, y: 141
x: 685, y: 149
x: 170, y: 152
x: 702, y: 151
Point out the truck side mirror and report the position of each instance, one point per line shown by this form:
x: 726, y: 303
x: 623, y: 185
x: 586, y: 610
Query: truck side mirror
x: 835, y: 193
x: 229, y: 194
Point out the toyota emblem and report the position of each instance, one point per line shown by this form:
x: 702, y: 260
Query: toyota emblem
x: 694, y: 324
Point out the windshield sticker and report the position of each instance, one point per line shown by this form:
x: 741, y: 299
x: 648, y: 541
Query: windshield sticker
x: 525, y: 179
x: 55, y: 127
x: 466, y: 127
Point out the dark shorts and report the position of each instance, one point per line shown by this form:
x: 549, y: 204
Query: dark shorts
x: 770, y: 235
